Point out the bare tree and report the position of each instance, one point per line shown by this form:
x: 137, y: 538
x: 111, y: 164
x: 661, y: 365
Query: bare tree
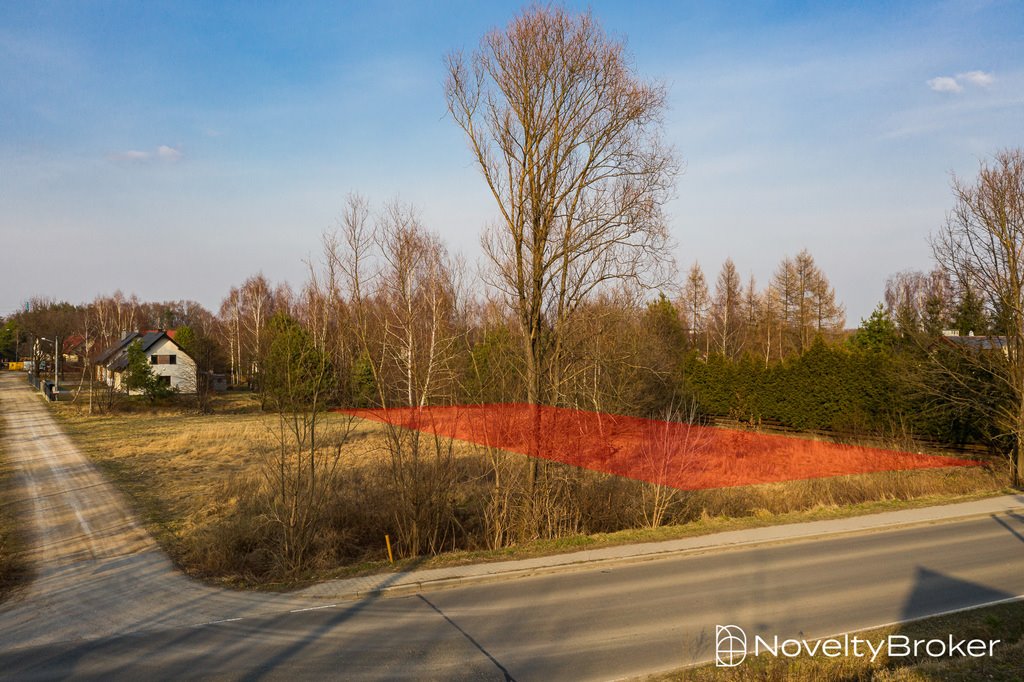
x: 787, y: 293
x: 695, y: 297
x: 725, y: 310
x: 417, y: 280
x: 231, y: 322
x: 982, y: 243
x: 567, y: 139
x: 402, y: 288
x: 919, y: 301
x: 770, y: 325
x: 905, y: 293
x: 671, y: 450
x: 752, y: 315
x: 116, y: 315
x: 807, y: 302
x: 256, y: 304
x: 829, y: 314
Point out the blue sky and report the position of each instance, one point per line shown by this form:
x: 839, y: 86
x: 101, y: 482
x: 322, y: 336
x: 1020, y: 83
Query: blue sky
x: 173, y: 149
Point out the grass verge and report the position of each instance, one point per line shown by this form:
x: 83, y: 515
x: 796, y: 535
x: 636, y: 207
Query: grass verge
x: 1004, y: 622
x: 14, y: 567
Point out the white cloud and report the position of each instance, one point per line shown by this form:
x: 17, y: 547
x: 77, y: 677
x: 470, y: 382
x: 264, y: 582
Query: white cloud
x: 945, y: 84
x: 130, y: 155
x: 162, y: 153
x: 168, y: 153
x: 956, y: 83
x: 979, y: 78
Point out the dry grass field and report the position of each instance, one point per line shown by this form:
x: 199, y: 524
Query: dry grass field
x: 14, y: 570
x: 192, y: 479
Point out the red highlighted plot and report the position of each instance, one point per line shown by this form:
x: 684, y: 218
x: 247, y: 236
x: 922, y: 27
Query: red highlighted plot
x: 680, y: 455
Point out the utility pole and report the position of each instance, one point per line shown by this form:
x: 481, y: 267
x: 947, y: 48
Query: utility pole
x: 56, y: 363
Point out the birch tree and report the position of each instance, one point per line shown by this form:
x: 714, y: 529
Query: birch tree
x: 982, y: 245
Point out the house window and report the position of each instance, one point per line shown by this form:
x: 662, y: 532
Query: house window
x: 164, y: 380
x: 163, y: 359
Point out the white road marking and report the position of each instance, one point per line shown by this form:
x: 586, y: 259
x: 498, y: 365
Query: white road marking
x: 215, y: 622
x: 313, y: 608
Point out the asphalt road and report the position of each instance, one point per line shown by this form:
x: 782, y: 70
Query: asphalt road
x: 107, y: 603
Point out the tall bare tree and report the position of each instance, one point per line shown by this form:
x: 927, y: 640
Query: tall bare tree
x: 696, y: 302
x: 982, y: 245
x: 807, y: 302
x: 726, y: 310
x: 403, y: 300
x: 116, y: 315
x: 231, y: 323
x: 256, y: 305
x: 568, y: 141
x: 919, y: 301
x: 787, y: 293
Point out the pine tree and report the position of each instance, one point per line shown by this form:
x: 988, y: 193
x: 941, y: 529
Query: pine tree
x: 139, y: 376
x: 877, y: 333
x: 970, y: 314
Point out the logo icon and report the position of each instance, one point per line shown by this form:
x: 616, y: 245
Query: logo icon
x: 730, y: 646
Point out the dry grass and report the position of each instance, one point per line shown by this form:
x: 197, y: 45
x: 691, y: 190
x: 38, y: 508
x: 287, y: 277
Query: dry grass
x: 1004, y: 622
x: 194, y: 481
x: 14, y: 568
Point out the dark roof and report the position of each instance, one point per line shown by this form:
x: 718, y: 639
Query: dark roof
x: 103, y: 357
x: 116, y: 358
x: 977, y: 342
x: 149, y: 338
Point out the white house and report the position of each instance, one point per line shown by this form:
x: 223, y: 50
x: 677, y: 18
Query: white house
x: 168, y: 361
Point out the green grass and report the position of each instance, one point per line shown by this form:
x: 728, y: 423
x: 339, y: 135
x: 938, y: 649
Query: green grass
x: 1004, y: 622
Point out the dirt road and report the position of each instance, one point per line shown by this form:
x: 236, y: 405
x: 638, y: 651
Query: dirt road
x: 97, y: 572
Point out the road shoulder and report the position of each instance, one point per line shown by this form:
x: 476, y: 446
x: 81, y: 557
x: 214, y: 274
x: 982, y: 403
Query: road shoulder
x: 408, y: 582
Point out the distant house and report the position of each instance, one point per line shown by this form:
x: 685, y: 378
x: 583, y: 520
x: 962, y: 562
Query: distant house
x: 975, y: 343
x: 76, y: 347
x: 168, y: 361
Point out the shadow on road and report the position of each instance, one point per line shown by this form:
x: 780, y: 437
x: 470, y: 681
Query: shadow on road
x: 1016, y: 517
x: 932, y: 587
x: 294, y: 644
x: 508, y: 677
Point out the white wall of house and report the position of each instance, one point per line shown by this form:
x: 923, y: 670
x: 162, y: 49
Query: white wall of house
x: 181, y: 373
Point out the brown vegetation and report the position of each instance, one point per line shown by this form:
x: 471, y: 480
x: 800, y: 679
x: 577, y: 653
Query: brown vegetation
x: 14, y: 568
x: 982, y: 248
x: 196, y: 480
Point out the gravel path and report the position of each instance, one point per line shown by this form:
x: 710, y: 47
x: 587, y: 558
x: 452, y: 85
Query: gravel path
x: 97, y: 571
